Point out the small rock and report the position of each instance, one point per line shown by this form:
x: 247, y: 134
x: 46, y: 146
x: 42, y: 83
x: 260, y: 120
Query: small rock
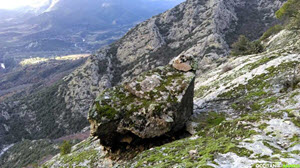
x: 193, y: 153
x: 194, y: 137
x: 182, y: 66
x: 183, y: 63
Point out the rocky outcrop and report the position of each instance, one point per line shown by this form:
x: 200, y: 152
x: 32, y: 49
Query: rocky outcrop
x: 263, y: 87
x: 155, y: 103
x: 195, y: 27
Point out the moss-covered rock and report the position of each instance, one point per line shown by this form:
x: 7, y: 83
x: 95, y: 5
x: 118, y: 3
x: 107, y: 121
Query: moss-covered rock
x: 156, y: 103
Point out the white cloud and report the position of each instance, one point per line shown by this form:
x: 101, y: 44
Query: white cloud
x: 14, y: 4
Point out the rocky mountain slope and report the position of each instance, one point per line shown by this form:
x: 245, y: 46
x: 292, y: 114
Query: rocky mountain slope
x: 244, y: 116
x: 29, y: 100
x: 204, y: 29
x: 195, y: 27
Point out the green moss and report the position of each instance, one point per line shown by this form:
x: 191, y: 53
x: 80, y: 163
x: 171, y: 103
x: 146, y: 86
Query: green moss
x: 201, y: 91
x: 268, y: 100
x: 121, y: 102
x: 210, y: 120
x: 295, y: 138
x: 285, y: 155
x: 263, y: 126
x: 234, y: 106
x: 256, y: 85
x: 260, y: 62
x: 265, y: 157
x: 294, y: 144
x: 215, y: 118
x: 221, y: 137
x: 296, y: 152
x: 255, y: 106
x: 294, y: 94
x: 275, y: 150
x: 83, y: 144
x: 242, y: 152
x: 296, y: 121
x: 257, y: 93
x: 254, y: 165
x: 80, y: 157
x: 106, y: 111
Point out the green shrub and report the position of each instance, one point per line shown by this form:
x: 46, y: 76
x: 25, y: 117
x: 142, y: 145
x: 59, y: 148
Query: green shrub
x: 290, y: 12
x: 294, y: 23
x: 256, y: 47
x: 271, y: 31
x: 65, y: 148
x: 243, y: 46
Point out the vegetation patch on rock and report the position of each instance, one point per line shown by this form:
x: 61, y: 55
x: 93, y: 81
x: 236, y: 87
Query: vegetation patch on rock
x: 238, y: 140
x: 155, y: 103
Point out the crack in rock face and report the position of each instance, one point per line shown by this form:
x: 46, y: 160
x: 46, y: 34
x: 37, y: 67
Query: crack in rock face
x: 156, y: 103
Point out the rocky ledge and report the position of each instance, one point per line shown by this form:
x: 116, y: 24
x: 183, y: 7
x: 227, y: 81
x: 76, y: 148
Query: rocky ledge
x: 156, y: 103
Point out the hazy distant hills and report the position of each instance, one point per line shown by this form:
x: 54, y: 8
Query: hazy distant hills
x: 71, y: 26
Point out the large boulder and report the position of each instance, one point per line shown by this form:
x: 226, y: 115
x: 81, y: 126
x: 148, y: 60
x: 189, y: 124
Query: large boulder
x: 158, y: 102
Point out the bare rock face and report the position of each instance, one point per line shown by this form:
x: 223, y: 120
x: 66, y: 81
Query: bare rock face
x: 158, y: 102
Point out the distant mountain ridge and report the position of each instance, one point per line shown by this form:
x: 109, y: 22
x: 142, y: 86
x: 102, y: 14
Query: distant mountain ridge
x: 62, y: 27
